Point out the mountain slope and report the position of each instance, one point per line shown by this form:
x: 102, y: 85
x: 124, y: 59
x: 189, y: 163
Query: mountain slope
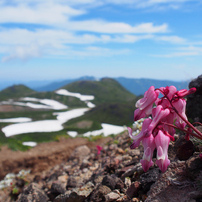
x: 115, y: 113
x: 105, y: 91
x: 15, y: 91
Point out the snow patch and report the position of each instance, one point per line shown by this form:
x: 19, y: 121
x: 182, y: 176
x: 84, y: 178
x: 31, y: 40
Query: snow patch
x: 72, y: 133
x: 52, y: 104
x: 31, y: 144
x: 16, y: 120
x: 44, y: 125
x: 78, y: 95
x: 107, y: 129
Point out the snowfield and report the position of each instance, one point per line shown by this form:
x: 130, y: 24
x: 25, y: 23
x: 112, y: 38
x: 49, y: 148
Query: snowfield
x: 44, y: 125
x: 26, y: 125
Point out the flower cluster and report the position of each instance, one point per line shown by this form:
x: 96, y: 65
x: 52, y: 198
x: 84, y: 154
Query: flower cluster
x: 158, y: 129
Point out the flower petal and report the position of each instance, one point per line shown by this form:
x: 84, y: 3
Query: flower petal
x: 162, y: 143
x: 146, y: 164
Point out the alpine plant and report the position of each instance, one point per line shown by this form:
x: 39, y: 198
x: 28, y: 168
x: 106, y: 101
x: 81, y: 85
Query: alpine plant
x: 162, y: 115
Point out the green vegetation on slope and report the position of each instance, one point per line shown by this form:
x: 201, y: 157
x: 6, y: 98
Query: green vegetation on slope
x: 19, y: 91
x: 34, y: 115
x: 112, y: 113
x: 105, y: 91
x: 15, y: 92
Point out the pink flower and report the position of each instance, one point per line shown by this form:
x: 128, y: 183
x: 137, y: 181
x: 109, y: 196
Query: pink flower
x: 145, y: 104
x: 138, y: 138
x: 180, y: 105
x: 185, y: 92
x: 138, y: 114
x: 169, y: 119
x: 149, y: 146
x: 157, y: 132
x: 99, y: 149
x: 158, y: 114
x: 162, y: 142
x: 168, y: 91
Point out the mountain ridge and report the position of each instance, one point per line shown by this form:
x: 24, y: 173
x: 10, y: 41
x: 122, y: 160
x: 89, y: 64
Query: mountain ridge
x: 136, y: 86
x: 106, y: 90
x: 139, y: 86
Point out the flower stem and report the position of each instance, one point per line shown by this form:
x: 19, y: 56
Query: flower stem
x: 199, y: 134
x: 197, y: 123
x: 193, y: 134
x: 189, y: 124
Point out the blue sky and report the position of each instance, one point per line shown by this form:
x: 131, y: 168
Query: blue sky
x: 60, y: 39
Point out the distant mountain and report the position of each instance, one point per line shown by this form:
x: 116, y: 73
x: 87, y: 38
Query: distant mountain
x: 135, y: 86
x: 56, y: 85
x: 31, y: 84
x: 139, y: 86
x: 106, y: 90
x: 15, y: 91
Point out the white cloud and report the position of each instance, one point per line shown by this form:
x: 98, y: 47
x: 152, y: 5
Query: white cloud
x: 93, y: 51
x: 183, y: 52
x: 42, y: 13
x: 171, y: 39
x: 131, y: 38
x: 178, y: 54
x: 23, y: 53
x: 57, y: 15
x: 25, y: 44
x: 174, y: 4
x: 116, y: 27
x: 192, y: 48
x: 61, y: 31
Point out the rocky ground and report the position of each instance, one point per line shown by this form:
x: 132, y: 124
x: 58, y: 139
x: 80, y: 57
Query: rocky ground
x: 42, y: 157
x: 113, y: 175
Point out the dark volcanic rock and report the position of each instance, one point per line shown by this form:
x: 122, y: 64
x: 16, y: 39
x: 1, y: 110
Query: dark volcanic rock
x: 77, y: 194
x: 133, y: 190
x: 173, y: 185
x: 184, y: 149
x: 32, y: 193
x: 99, y: 194
x: 109, y: 182
x: 194, y: 101
x: 193, y: 167
x: 56, y: 189
x: 148, y: 178
x: 73, y: 181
